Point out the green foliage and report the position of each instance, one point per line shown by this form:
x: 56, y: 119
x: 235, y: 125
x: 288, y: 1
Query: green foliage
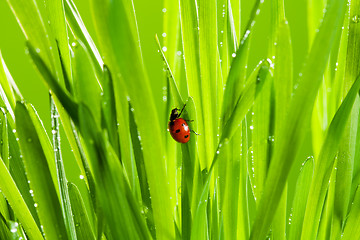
x: 241, y: 177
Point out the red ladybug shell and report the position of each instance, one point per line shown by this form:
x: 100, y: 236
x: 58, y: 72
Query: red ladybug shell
x: 179, y: 130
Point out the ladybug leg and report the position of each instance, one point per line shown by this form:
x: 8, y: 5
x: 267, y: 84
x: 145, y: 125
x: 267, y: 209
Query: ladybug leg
x: 194, y: 132
x: 182, y: 110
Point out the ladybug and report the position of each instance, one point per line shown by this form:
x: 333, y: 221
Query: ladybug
x: 178, y: 127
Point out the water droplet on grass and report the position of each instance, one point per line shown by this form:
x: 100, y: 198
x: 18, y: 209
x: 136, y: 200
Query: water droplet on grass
x: 164, y: 49
x: 355, y: 19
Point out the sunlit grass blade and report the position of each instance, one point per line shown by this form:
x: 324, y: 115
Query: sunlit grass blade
x: 81, y: 219
x: 46, y: 199
x: 66, y: 100
x: 301, y: 192
x: 6, y: 88
x: 86, y: 85
x: 300, y: 108
x: 324, y: 164
x: 13, y: 196
x: 352, y: 230
x: 78, y: 28
x: 345, y: 163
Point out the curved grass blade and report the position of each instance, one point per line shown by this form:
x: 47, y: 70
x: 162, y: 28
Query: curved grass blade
x: 63, y: 96
x: 46, y: 198
x: 13, y: 196
x: 324, y: 164
x: 81, y: 219
x: 77, y: 26
x: 6, y: 87
x: 86, y: 85
x: 301, y: 192
x: 352, y: 231
x: 300, y: 108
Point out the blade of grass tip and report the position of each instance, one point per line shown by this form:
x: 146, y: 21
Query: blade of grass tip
x: 46, y: 198
x: 345, y: 164
x: 325, y: 162
x: 15, y: 90
x: 6, y: 87
x: 234, y: 88
x: 77, y: 26
x: 4, y: 230
x: 236, y: 13
x: 16, y: 201
x: 291, y: 134
x: 351, y: 230
x: 190, y: 38
x: 301, y: 192
x: 82, y: 223
x: 61, y: 176
x: 63, y: 96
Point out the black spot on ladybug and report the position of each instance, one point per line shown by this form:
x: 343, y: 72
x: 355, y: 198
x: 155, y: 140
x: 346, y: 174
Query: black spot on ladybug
x: 186, y: 136
x: 177, y: 131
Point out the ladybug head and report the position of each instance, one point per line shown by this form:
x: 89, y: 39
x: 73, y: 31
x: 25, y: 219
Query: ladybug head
x: 174, y: 114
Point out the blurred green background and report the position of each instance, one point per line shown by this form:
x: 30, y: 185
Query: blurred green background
x: 149, y: 16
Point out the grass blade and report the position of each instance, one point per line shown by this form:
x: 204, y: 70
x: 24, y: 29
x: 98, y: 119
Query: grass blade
x: 324, y: 164
x: 352, y: 230
x: 81, y: 219
x: 300, y: 108
x: 46, y: 198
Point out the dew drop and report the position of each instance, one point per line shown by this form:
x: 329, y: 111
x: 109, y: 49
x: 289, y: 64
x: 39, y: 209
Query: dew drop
x: 36, y: 205
x: 164, y: 49
x: 164, y: 34
x: 38, y: 50
x: 14, y: 130
x: 233, y: 55
x: 355, y: 19
x: 251, y: 127
x: 53, y: 131
x: 164, y: 10
x: 81, y: 176
x: 29, y: 140
x: 13, y: 230
x: 178, y: 53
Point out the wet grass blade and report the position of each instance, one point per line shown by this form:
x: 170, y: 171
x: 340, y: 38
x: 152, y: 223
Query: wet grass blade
x: 46, y: 198
x: 81, y: 219
x: 301, y: 192
x: 300, y: 108
x: 16, y: 201
x: 324, y: 164
x: 352, y: 231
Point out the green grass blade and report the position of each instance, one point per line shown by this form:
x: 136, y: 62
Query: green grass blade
x: 109, y: 110
x: 86, y: 85
x: 61, y: 176
x: 208, y: 70
x: 352, y: 230
x: 301, y: 192
x: 64, y: 97
x: 324, y: 164
x: 300, y: 108
x: 116, y: 20
x: 82, y: 223
x: 6, y: 88
x: 345, y: 164
x: 78, y: 28
x: 47, y: 202
x: 13, y: 196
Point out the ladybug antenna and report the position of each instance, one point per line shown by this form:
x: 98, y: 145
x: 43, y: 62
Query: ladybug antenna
x: 182, y: 110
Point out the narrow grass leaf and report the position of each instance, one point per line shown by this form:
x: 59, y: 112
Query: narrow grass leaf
x: 14, y: 197
x: 323, y: 165
x: 86, y: 85
x: 6, y: 87
x: 46, y: 198
x: 78, y: 28
x: 63, y: 96
x: 301, y: 192
x: 300, y: 108
x: 81, y: 219
x: 351, y: 230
